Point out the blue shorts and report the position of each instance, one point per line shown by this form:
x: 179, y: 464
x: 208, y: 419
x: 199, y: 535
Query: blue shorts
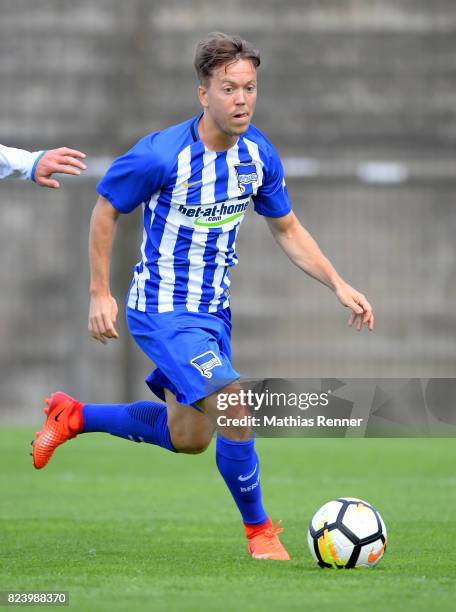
x: 191, y: 350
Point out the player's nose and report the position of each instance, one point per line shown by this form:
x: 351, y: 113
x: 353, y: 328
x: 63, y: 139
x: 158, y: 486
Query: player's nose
x: 239, y: 98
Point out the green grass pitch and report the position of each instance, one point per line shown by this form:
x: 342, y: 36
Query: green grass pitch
x: 126, y: 526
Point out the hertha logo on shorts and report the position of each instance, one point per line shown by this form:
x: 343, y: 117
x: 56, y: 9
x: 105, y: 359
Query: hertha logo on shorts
x: 205, y: 362
x: 246, y: 174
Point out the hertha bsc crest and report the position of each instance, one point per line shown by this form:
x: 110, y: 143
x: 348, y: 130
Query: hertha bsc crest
x: 205, y: 362
x: 246, y: 174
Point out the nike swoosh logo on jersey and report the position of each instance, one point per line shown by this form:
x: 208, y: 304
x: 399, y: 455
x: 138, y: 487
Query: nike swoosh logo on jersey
x: 187, y: 184
x: 243, y: 478
x: 56, y: 418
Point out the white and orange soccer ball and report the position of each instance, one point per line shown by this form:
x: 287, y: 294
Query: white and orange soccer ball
x: 346, y: 533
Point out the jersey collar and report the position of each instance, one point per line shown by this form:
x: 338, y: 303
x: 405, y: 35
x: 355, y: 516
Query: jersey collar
x: 196, y: 137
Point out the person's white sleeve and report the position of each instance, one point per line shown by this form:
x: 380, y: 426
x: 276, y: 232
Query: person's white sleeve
x: 17, y: 163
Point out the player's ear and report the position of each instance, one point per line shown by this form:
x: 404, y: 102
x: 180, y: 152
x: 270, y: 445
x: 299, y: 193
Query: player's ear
x: 202, y: 95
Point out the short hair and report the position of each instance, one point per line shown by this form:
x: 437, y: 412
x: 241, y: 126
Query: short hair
x: 217, y: 49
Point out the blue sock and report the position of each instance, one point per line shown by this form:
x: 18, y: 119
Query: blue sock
x: 139, y: 422
x: 238, y: 464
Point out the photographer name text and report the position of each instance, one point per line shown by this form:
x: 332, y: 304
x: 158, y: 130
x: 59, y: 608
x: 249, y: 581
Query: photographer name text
x: 286, y: 421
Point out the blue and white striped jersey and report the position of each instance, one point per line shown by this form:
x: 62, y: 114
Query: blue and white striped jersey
x: 194, y: 201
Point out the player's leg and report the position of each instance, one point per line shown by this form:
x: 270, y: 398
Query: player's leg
x: 239, y: 465
x: 191, y: 430
x: 175, y: 427
x: 144, y: 421
x: 236, y: 457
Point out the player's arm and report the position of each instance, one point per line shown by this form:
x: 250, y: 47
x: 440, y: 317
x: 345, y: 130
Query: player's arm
x: 40, y: 165
x: 130, y: 181
x: 103, y: 307
x: 305, y: 253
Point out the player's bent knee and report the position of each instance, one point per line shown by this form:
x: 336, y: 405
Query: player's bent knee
x: 190, y: 445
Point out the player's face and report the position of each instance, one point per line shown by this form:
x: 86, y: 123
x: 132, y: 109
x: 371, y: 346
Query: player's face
x: 230, y: 95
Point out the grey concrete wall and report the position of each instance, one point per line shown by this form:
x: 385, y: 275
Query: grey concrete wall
x: 338, y: 73
x: 341, y: 81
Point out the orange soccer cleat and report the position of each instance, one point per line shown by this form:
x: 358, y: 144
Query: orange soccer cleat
x: 64, y: 421
x: 264, y: 541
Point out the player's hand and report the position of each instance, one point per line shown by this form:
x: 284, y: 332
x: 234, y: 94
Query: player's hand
x: 361, y: 309
x: 63, y: 160
x: 102, y: 318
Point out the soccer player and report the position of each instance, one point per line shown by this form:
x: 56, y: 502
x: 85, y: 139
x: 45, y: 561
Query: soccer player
x: 41, y: 165
x: 195, y: 182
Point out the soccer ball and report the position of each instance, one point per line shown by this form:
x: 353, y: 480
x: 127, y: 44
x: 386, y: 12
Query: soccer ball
x: 346, y: 533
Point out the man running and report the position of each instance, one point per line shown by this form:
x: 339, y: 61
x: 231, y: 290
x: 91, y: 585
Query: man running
x: 195, y: 182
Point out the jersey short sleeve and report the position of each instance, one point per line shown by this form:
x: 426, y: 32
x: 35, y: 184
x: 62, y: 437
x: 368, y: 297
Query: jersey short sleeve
x: 272, y: 198
x: 134, y: 177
